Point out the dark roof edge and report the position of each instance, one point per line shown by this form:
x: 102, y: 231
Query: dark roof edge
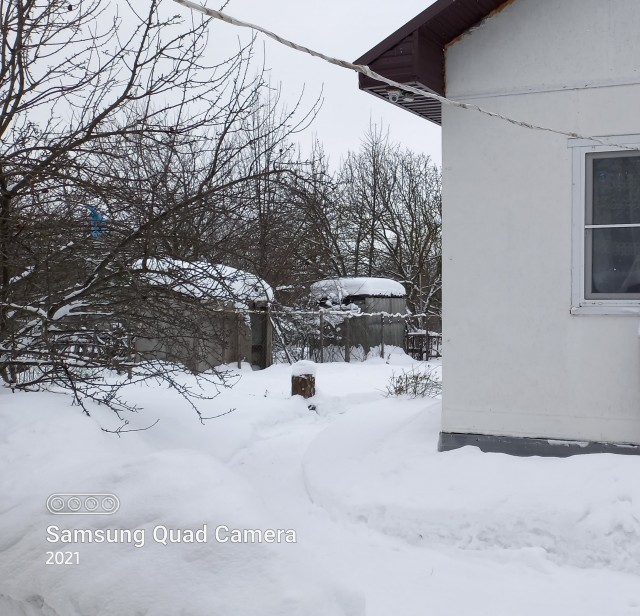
x: 422, y: 57
x: 393, y: 39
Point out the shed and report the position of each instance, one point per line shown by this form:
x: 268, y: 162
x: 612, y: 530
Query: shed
x: 373, y: 308
x: 541, y: 228
x: 237, y: 327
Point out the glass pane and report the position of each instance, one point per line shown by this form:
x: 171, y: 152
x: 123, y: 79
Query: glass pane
x: 615, y: 260
x: 616, y: 190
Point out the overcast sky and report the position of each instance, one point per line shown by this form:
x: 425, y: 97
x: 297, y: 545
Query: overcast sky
x: 343, y: 29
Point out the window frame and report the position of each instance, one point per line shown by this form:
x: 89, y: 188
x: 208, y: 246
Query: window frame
x: 580, y: 304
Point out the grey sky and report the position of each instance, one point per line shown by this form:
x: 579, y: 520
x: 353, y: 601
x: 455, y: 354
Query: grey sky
x: 344, y: 29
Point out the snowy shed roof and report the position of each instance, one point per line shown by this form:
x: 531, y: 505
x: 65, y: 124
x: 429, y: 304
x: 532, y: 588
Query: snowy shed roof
x: 341, y: 288
x: 206, y: 280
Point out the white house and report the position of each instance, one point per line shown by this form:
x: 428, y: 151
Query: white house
x: 541, y: 231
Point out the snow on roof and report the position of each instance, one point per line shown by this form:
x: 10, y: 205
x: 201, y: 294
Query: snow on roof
x: 201, y: 279
x: 340, y: 288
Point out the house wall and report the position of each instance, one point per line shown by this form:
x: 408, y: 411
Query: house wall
x: 516, y: 361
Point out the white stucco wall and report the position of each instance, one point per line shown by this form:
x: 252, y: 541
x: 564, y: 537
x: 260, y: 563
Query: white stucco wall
x: 516, y: 361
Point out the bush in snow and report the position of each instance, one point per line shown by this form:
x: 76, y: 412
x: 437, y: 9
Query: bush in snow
x: 415, y: 384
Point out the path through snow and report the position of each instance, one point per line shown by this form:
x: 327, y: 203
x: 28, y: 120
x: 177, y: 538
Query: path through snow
x: 385, y: 525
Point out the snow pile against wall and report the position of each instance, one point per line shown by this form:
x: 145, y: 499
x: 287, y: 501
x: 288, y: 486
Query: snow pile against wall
x: 381, y: 469
x: 338, y: 289
x: 204, y: 280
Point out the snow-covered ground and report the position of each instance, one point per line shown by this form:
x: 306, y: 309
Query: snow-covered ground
x: 384, y: 525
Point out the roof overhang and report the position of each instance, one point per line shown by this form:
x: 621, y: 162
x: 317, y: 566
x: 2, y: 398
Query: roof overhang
x: 414, y: 54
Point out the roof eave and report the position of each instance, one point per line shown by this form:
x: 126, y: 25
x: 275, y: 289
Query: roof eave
x: 415, y: 53
x: 402, y: 32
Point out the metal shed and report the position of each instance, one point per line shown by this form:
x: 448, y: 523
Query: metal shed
x: 374, y: 310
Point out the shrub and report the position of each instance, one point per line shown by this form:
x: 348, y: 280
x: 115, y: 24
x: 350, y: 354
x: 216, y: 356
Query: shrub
x: 415, y: 384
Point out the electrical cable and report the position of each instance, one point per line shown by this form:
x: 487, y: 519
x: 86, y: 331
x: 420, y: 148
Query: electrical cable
x: 365, y: 70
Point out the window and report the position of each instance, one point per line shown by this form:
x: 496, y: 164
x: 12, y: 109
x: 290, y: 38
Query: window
x: 606, y: 267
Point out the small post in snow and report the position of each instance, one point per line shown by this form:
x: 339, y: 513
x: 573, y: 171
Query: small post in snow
x: 382, y: 336
x: 303, y: 379
x: 321, y: 337
x: 347, y: 341
x: 239, y: 325
x: 132, y: 356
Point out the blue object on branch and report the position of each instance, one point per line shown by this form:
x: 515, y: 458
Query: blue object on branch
x: 97, y: 222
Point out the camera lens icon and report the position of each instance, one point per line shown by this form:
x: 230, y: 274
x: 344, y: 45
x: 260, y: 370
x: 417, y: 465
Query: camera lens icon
x: 83, y: 504
x: 110, y: 504
x: 74, y: 504
x: 56, y: 504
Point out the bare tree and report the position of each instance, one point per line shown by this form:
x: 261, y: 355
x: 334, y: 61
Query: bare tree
x: 119, y: 143
x: 367, y: 180
x: 408, y: 235
x: 329, y: 222
x: 385, y: 219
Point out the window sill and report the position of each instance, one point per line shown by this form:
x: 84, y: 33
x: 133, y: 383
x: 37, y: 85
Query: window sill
x: 607, y: 308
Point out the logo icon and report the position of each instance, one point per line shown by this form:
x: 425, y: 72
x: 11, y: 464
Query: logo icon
x: 83, y: 504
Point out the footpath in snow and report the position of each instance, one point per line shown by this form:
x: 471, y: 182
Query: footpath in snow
x: 383, y: 523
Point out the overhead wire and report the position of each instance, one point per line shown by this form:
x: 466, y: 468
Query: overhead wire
x: 365, y: 70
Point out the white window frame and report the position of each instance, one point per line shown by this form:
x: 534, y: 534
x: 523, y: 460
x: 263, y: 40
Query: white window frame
x: 579, y: 304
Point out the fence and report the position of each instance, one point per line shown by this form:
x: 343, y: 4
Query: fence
x: 320, y: 336
x: 329, y: 336
x: 423, y: 344
x: 92, y: 345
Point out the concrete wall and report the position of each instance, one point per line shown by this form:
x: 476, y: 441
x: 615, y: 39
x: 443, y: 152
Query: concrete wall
x: 224, y: 338
x: 516, y: 362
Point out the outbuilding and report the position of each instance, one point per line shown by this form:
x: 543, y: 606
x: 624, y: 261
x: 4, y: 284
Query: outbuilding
x: 541, y: 215
x: 374, y: 311
x: 234, y: 325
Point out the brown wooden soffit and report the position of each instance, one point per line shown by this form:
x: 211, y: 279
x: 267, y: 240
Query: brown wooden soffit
x: 414, y: 54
